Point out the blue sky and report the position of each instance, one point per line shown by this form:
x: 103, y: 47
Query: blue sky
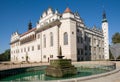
x: 15, y: 14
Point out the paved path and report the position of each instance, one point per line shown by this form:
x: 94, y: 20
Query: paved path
x: 110, y: 78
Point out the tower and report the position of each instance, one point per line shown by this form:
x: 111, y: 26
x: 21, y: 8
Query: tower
x: 106, y: 37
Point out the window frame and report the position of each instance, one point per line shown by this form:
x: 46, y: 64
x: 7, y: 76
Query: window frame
x: 65, y: 38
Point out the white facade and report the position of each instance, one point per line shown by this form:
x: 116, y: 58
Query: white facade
x: 55, y: 30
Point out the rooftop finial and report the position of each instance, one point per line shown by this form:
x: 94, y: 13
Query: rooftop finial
x: 104, y: 15
x: 29, y: 25
x: 17, y: 30
x: 56, y: 11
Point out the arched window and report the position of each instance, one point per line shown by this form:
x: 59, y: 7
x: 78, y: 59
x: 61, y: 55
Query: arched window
x: 51, y: 39
x: 65, y: 38
x: 44, y: 38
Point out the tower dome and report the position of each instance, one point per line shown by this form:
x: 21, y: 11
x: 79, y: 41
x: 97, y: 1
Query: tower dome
x: 67, y: 10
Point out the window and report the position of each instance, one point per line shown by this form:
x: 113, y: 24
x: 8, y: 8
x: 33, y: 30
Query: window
x: 38, y: 47
x: 65, y: 38
x: 52, y: 19
x: 82, y: 58
x: 38, y: 36
x: 94, y: 49
x: 99, y: 56
x: 77, y: 30
x: 90, y: 53
x: 103, y: 56
x: 81, y: 40
x: 94, y: 41
x: 99, y: 49
x: 51, y: 39
x: 32, y: 48
x: 24, y: 49
x: 89, y: 47
x: 51, y: 56
x: 18, y: 50
x: 78, y: 51
x: 44, y: 56
x: 72, y: 32
x: 98, y: 41
x: 15, y: 51
x: 89, y: 39
x: 80, y: 32
x: 81, y: 51
x: 21, y: 50
x: 28, y: 49
x: 85, y: 47
x: 85, y: 38
x: 44, y: 37
x: 78, y: 39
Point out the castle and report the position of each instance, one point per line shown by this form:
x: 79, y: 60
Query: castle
x: 55, y: 30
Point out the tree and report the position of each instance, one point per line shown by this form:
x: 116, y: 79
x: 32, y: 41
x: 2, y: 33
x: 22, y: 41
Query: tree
x: 5, y: 56
x: 118, y: 57
x: 116, y: 38
x: 111, y: 56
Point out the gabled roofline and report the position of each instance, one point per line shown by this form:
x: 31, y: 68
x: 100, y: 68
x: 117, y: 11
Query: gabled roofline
x: 33, y: 29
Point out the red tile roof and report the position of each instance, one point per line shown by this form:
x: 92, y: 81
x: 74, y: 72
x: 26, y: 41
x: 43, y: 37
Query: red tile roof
x: 67, y: 10
x: 33, y: 29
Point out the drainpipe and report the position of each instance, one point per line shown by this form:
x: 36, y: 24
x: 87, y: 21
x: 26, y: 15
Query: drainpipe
x: 58, y: 39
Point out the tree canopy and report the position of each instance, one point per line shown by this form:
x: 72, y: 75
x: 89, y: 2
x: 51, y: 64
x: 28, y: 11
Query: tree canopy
x: 116, y: 38
x: 5, y: 56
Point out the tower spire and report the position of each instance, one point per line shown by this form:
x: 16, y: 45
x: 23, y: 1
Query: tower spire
x: 104, y: 17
